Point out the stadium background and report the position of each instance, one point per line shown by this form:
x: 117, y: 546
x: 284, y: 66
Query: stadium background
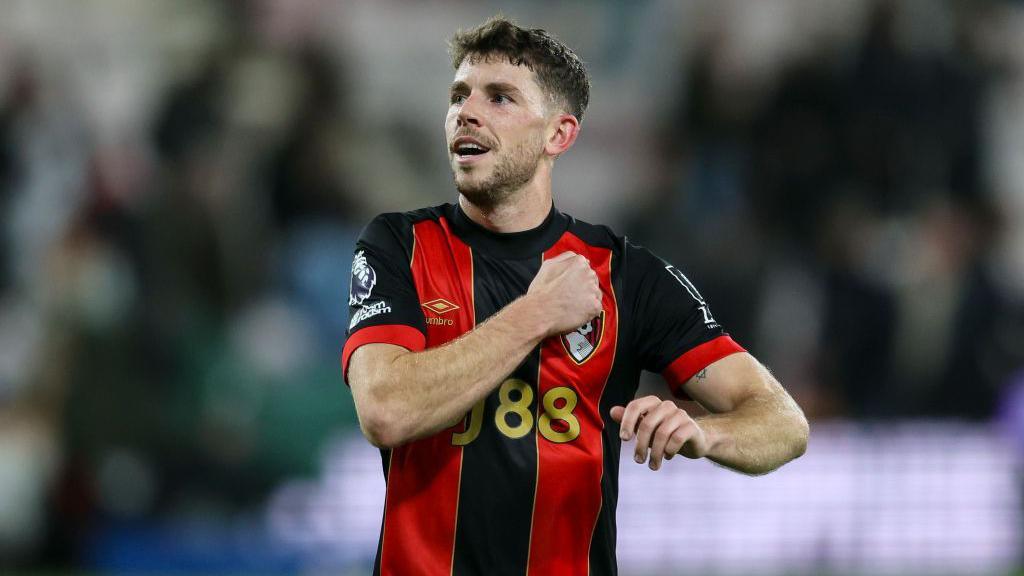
x: 181, y: 183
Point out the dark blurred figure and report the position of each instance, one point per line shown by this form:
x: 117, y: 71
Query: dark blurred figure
x: 13, y: 104
x: 305, y: 175
x: 797, y: 191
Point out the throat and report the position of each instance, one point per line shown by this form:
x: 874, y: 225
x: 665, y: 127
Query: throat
x: 517, y: 214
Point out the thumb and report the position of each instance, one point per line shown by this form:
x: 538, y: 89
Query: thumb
x: 617, y: 413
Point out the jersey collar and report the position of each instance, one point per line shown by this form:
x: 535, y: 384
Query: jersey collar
x: 508, y: 245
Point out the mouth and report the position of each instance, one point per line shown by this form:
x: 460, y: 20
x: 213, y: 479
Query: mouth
x: 468, y: 150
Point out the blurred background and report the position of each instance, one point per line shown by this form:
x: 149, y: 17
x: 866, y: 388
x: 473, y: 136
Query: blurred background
x: 182, y: 182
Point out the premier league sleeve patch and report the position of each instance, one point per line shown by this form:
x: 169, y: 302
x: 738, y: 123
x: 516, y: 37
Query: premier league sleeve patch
x: 364, y: 278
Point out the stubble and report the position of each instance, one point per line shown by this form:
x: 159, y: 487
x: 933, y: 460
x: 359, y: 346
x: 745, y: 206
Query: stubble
x: 511, y: 173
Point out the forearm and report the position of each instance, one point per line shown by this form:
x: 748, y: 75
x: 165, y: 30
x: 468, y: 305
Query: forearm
x: 758, y: 436
x: 418, y: 394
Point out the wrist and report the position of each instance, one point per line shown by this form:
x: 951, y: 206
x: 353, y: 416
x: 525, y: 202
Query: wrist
x: 529, y: 317
x: 714, y: 436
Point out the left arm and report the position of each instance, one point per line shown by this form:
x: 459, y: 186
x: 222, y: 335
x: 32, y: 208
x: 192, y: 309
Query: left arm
x: 754, y: 426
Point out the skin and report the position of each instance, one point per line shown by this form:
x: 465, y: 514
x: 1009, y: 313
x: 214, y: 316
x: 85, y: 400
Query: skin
x: 754, y: 426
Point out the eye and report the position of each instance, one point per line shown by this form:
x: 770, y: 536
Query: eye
x: 501, y: 99
x: 458, y: 98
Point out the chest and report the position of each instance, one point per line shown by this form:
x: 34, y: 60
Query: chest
x: 460, y: 288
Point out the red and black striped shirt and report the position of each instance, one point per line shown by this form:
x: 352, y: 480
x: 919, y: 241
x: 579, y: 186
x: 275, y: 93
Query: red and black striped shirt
x: 527, y: 483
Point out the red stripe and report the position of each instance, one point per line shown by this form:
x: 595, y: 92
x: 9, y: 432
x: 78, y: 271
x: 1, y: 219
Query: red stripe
x: 398, y: 334
x: 568, y: 497
x: 423, y: 481
x: 696, y: 359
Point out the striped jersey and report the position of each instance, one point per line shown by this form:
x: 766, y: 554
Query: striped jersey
x: 527, y: 482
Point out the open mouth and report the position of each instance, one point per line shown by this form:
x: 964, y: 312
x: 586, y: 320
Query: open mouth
x: 467, y: 149
x: 470, y: 150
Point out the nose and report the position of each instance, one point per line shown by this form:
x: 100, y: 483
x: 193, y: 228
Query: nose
x: 469, y: 111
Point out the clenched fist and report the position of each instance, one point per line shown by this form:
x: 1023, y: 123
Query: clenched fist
x: 567, y: 292
x: 661, y: 427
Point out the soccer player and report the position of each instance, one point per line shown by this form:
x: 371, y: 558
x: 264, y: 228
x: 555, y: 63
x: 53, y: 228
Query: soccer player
x: 496, y: 344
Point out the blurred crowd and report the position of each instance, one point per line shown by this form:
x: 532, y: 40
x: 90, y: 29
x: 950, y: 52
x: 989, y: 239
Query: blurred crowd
x: 849, y: 183
x: 181, y: 185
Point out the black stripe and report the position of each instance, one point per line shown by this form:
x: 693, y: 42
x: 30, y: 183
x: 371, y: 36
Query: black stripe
x: 385, y: 458
x: 621, y: 388
x: 499, y: 474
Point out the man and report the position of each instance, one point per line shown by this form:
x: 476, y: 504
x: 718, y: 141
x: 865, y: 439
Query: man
x: 495, y: 344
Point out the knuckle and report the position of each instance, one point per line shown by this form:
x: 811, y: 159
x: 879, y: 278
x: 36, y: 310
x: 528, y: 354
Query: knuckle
x: 680, y: 437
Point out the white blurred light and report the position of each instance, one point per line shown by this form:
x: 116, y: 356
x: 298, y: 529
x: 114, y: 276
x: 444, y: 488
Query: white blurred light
x: 274, y: 338
x: 914, y: 498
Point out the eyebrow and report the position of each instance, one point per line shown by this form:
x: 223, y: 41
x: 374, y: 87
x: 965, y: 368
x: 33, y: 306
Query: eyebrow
x: 460, y: 86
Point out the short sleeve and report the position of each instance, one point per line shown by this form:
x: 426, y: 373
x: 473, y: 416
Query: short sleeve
x: 674, y: 331
x: 383, y: 304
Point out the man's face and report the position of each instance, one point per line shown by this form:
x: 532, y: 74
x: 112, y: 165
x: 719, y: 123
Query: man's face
x: 495, y: 128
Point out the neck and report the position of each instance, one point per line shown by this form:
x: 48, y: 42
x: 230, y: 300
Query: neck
x: 524, y: 210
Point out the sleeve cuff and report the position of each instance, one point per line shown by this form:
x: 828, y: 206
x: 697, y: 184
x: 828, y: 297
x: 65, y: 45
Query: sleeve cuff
x: 398, y: 334
x: 696, y: 359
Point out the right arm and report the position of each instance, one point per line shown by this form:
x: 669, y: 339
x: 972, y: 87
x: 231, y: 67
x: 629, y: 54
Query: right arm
x: 401, y: 396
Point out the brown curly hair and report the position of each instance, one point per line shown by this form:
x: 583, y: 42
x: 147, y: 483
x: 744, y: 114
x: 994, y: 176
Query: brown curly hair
x: 560, y: 72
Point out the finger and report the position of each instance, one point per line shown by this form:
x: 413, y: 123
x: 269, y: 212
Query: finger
x: 664, y: 433
x: 696, y: 446
x: 632, y: 414
x: 617, y: 412
x: 563, y: 256
x: 649, y: 425
x: 677, y: 439
x: 634, y: 410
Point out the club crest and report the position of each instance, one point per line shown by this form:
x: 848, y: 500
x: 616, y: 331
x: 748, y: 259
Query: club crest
x: 364, y: 278
x: 581, y: 343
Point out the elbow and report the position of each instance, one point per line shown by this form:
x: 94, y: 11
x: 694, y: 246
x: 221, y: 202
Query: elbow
x: 381, y: 427
x: 380, y: 434
x: 379, y: 419
x: 381, y: 431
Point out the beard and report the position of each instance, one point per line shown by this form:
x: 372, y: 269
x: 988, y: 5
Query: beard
x: 512, y: 171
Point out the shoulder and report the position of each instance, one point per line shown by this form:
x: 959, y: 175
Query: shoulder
x: 597, y: 235
x: 389, y: 227
x: 402, y: 220
x: 637, y: 259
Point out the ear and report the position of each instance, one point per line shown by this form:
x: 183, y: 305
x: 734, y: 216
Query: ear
x: 562, y: 132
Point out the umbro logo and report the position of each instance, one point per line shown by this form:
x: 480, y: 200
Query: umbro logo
x: 440, y: 306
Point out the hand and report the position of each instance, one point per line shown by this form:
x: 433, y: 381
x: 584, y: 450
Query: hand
x: 567, y: 291
x: 662, y: 427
